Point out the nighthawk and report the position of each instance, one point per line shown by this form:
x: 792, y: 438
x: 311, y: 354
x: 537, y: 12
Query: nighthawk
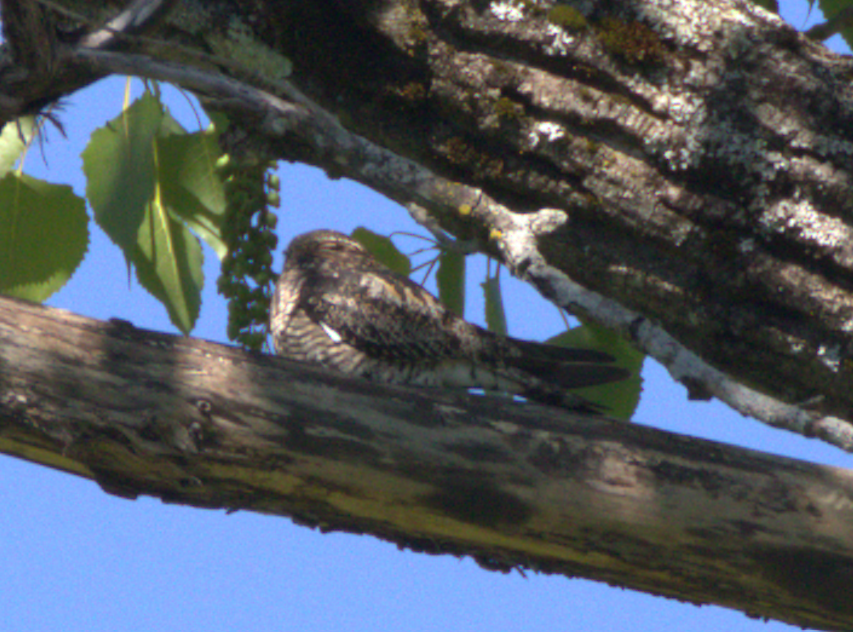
x: 337, y: 306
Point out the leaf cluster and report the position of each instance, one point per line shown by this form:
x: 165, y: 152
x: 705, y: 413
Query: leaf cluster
x: 154, y: 191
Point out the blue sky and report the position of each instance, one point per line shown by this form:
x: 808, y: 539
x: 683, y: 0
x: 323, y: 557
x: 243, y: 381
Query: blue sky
x: 74, y: 558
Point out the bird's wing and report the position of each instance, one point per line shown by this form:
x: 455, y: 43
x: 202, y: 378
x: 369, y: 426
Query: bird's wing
x: 384, y: 314
x: 389, y: 317
x: 285, y: 300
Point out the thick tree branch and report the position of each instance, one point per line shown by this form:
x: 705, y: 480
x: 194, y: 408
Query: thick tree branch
x: 512, y: 485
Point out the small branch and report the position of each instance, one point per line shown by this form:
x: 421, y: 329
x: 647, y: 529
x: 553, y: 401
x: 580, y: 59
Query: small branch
x: 137, y: 17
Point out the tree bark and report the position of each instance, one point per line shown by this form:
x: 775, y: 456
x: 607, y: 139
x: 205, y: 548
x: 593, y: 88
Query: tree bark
x: 690, y: 162
x: 512, y: 485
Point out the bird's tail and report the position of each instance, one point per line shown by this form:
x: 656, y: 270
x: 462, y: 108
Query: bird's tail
x: 567, y: 367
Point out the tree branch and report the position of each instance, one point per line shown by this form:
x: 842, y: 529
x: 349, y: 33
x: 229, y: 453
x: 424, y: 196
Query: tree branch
x: 512, y: 485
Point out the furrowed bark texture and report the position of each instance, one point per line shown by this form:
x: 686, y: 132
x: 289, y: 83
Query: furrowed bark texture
x: 690, y: 160
x: 514, y: 486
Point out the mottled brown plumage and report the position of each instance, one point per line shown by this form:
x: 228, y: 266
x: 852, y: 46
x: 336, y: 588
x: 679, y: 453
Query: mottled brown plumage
x: 336, y: 305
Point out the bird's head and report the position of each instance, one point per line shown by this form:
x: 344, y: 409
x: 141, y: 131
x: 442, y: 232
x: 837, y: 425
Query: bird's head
x: 306, y: 248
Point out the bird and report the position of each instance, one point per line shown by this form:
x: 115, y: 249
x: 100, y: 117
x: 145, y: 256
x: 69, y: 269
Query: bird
x: 337, y: 306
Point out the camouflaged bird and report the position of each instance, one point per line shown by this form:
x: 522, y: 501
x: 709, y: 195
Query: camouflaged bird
x: 337, y: 306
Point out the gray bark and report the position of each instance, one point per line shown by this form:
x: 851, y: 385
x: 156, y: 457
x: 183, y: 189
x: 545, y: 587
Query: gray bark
x: 512, y: 485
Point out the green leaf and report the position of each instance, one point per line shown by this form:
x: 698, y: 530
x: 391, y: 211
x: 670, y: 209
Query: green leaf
x: 120, y: 176
x: 168, y: 261
x: 620, y: 399
x: 148, y: 183
x: 190, y: 186
x: 451, y: 281
x: 169, y: 125
x: 495, y: 316
x: 383, y: 249
x: 14, y: 139
x: 43, y: 236
x: 218, y: 119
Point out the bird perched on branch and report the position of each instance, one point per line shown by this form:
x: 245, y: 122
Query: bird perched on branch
x: 337, y: 306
